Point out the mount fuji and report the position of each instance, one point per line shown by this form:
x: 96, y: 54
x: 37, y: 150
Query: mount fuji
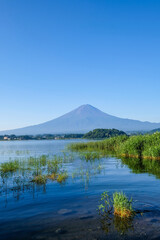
x: 82, y: 120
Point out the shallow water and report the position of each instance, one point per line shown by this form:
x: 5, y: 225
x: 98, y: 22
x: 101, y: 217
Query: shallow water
x: 69, y: 210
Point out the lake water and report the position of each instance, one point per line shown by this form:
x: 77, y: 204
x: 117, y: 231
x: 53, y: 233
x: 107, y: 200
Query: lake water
x: 69, y: 210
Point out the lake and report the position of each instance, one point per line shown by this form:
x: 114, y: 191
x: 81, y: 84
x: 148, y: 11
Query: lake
x: 69, y: 210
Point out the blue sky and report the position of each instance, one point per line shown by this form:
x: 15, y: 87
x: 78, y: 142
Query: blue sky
x: 58, y: 54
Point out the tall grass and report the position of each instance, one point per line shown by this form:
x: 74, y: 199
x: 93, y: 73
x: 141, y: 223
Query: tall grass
x: 141, y: 146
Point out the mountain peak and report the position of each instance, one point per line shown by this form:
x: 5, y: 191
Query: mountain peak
x: 83, y: 119
x: 86, y: 109
x: 86, y: 106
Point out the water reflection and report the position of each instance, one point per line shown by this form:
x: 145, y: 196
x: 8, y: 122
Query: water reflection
x: 86, y: 171
x: 121, y: 225
x: 89, y: 167
x: 143, y: 166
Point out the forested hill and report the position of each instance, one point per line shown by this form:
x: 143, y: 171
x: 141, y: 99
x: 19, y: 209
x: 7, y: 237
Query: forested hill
x: 101, y: 133
x: 154, y: 131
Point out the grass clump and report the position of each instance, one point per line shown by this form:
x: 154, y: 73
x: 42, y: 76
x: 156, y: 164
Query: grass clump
x: 62, y: 177
x: 52, y: 176
x: 40, y: 179
x: 117, y: 211
x: 119, y: 204
x: 11, y: 166
x: 122, y: 205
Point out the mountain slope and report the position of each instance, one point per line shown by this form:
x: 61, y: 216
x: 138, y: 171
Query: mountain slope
x: 84, y: 119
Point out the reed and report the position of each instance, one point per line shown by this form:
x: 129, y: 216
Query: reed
x: 141, y: 146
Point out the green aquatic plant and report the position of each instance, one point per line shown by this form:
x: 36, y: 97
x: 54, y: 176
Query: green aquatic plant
x: 119, y: 203
x: 68, y: 157
x: 54, y: 165
x: 62, y: 177
x: 106, y: 203
x: 122, y: 205
x: 90, y: 155
x: 40, y: 179
x: 117, y: 211
x: 37, y: 161
x: 11, y: 166
x: 25, y: 173
x: 52, y: 176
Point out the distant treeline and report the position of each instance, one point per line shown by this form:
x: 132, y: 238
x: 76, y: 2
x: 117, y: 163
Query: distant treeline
x: 140, y: 146
x: 95, y: 134
x: 101, y: 133
x: 40, y: 137
x: 98, y: 133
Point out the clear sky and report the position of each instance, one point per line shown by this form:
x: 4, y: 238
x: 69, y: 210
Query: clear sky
x: 56, y: 55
